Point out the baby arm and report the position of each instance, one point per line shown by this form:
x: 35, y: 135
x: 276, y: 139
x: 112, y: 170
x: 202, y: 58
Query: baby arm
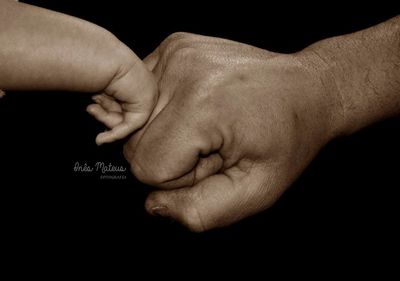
x: 46, y: 50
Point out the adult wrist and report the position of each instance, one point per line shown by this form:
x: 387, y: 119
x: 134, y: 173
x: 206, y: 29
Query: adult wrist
x: 327, y: 93
x: 361, y: 71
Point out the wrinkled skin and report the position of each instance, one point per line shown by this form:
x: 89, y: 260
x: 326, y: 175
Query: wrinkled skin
x: 233, y: 128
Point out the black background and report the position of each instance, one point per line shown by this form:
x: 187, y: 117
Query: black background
x: 346, y: 202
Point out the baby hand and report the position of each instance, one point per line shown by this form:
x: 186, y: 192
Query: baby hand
x: 126, y: 104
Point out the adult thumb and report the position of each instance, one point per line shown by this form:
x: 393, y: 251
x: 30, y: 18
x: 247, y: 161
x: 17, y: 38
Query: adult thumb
x: 216, y: 201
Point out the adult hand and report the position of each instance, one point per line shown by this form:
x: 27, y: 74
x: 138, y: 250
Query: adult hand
x: 234, y: 126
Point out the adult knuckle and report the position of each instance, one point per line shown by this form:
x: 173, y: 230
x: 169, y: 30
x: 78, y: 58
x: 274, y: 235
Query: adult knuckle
x: 134, y: 159
x: 173, y: 41
x: 147, y: 172
x: 178, y: 35
x: 139, y: 172
x: 185, y: 52
x: 176, y: 41
x: 127, y: 151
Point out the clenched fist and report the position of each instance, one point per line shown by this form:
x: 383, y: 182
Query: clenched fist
x: 234, y: 126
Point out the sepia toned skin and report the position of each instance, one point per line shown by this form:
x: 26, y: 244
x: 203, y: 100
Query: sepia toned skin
x: 229, y: 126
x: 46, y: 50
x: 235, y: 125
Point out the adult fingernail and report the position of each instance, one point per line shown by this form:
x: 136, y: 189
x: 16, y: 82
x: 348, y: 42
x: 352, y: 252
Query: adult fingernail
x: 161, y: 211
